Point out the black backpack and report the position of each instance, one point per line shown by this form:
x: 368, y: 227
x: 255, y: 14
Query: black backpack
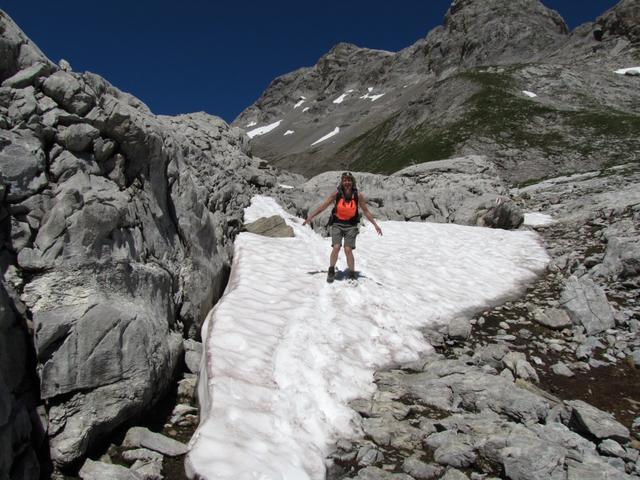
x: 355, y: 220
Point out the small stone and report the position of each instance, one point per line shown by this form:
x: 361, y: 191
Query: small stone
x: 561, y: 368
x: 611, y: 448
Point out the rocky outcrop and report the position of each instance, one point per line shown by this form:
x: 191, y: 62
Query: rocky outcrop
x: 481, y: 33
x: 116, y: 233
x: 463, y: 190
x: 622, y: 20
x: 273, y: 226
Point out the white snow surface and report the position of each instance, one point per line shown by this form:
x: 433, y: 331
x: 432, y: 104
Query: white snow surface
x: 305, y: 109
x: 341, y: 98
x: 372, y: 97
x: 529, y: 94
x: 300, y: 102
x: 537, y: 219
x: 289, y: 132
x: 629, y: 71
x: 333, y: 132
x: 285, y: 351
x: 262, y: 130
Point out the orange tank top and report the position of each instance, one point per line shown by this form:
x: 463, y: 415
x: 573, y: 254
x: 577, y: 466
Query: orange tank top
x: 346, y: 210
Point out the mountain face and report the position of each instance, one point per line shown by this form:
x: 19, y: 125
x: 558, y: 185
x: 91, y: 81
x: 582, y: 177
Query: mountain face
x: 503, y: 79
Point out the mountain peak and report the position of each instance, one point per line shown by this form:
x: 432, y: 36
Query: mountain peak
x: 623, y: 19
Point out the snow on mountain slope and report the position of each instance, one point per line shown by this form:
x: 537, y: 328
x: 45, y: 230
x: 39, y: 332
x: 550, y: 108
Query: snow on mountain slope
x: 285, y: 352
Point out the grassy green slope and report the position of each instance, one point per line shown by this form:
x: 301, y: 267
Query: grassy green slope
x: 498, y: 112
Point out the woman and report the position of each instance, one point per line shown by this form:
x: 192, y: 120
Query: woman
x: 344, y: 222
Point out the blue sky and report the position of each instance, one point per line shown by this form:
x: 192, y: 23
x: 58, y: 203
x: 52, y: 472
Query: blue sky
x: 218, y: 57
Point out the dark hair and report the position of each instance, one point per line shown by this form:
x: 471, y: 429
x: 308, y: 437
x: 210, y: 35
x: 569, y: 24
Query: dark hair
x: 348, y: 175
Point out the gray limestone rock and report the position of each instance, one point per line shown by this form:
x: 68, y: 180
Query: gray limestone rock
x: 148, y: 469
x: 449, y: 384
x: 504, y: 214
x: 103, y: 149
x: 187, y: 388
x: 587, y: 305
x: 26, y: 77
x: 594, y: 468
x: 622, y: 256
x: 121, y: 252
x: 368, y: 455
x: 457, y: 190
x: 68, y: 91
x: 192, y: 355
x: 611, y: 448
x: 22, y: 164
x: 491, y: 354
x: 141, y: 437
x: 554, y: 318
x: 78, y: 137
x: 622, y: 19
x: 274, y: 226
x: 141, y: 454
x: 455, y: 450
x: 18, y: 51
x: 561, y: 368
x: 375, y: 473
x: 17, y: 435
x: 519, y: 366
x: 420, y: 470
x: 454, y: 474
x: 67, y: 164
x: 387, y: 432
x: 592, y: 421
x: 459, y: 328
x: 92, y: 470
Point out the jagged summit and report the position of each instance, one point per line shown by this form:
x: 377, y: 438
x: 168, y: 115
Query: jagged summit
x: 621, y: 20
x: 17, y: 51
x: 459, y: 91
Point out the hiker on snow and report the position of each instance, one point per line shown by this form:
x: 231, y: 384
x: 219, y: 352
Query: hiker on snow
x: 344, y: 222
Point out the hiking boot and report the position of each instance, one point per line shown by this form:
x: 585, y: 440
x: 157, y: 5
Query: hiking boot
x: 351, y: 275
x: 331, y: 274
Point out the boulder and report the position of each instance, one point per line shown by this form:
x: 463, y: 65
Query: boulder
x: 459, y: 328
x: 622, y: 257
x: 22, y: 164
x: 192, y: 355
x: 554, y: 318
x: 504, y: 214
x: 92, y: 470
x: 588, y: 419
x: 26, y: 77
x: 68, y: 91
x: 274, y: 226
x: 139, y: 437
x: 587, y: 305
x: 78, y: 137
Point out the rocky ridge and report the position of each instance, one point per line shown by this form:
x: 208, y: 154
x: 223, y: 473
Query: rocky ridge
x: 503, y: 79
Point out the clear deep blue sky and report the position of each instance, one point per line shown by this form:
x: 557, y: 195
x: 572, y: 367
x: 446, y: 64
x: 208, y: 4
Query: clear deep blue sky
x: 197, y: 55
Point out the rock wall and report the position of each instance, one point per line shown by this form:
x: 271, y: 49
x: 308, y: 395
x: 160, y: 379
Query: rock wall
x: 464, y: 190
x: 115, y: 243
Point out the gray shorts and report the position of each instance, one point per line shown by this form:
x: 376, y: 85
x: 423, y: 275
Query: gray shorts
x: 348, y: 232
